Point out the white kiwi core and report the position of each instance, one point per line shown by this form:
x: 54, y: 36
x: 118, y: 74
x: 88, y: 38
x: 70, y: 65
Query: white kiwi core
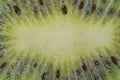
x: 60, y: 38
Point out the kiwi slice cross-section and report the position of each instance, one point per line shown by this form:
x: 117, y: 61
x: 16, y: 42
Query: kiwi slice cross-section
x: 59, y: 40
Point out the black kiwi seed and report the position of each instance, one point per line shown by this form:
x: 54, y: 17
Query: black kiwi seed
x: 81, y: 5
x: 96, y: 62
x: 41, y: 2
x: 17, y: 9
x: 114, y: 60
x: 58, y: 73
x: 35, y: 10
x: 3, y: 65
x: 64, y: 9
x: 93, y: 7
x: 35, y: 65
x: 44, y: 76
x: 84, y: 67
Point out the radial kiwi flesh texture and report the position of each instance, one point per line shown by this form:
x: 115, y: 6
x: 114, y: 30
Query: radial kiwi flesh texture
x: 59, y: 40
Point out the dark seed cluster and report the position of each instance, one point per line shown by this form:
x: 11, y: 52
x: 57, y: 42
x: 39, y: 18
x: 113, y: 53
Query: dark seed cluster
x: 84, y: 67
x: 64, y: 8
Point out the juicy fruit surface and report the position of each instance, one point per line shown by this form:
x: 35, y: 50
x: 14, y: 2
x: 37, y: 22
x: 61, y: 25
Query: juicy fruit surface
x: 59, y: 40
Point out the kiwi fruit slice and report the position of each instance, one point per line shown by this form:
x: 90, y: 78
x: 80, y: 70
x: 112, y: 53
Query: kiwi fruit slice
x: 59, y: 40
